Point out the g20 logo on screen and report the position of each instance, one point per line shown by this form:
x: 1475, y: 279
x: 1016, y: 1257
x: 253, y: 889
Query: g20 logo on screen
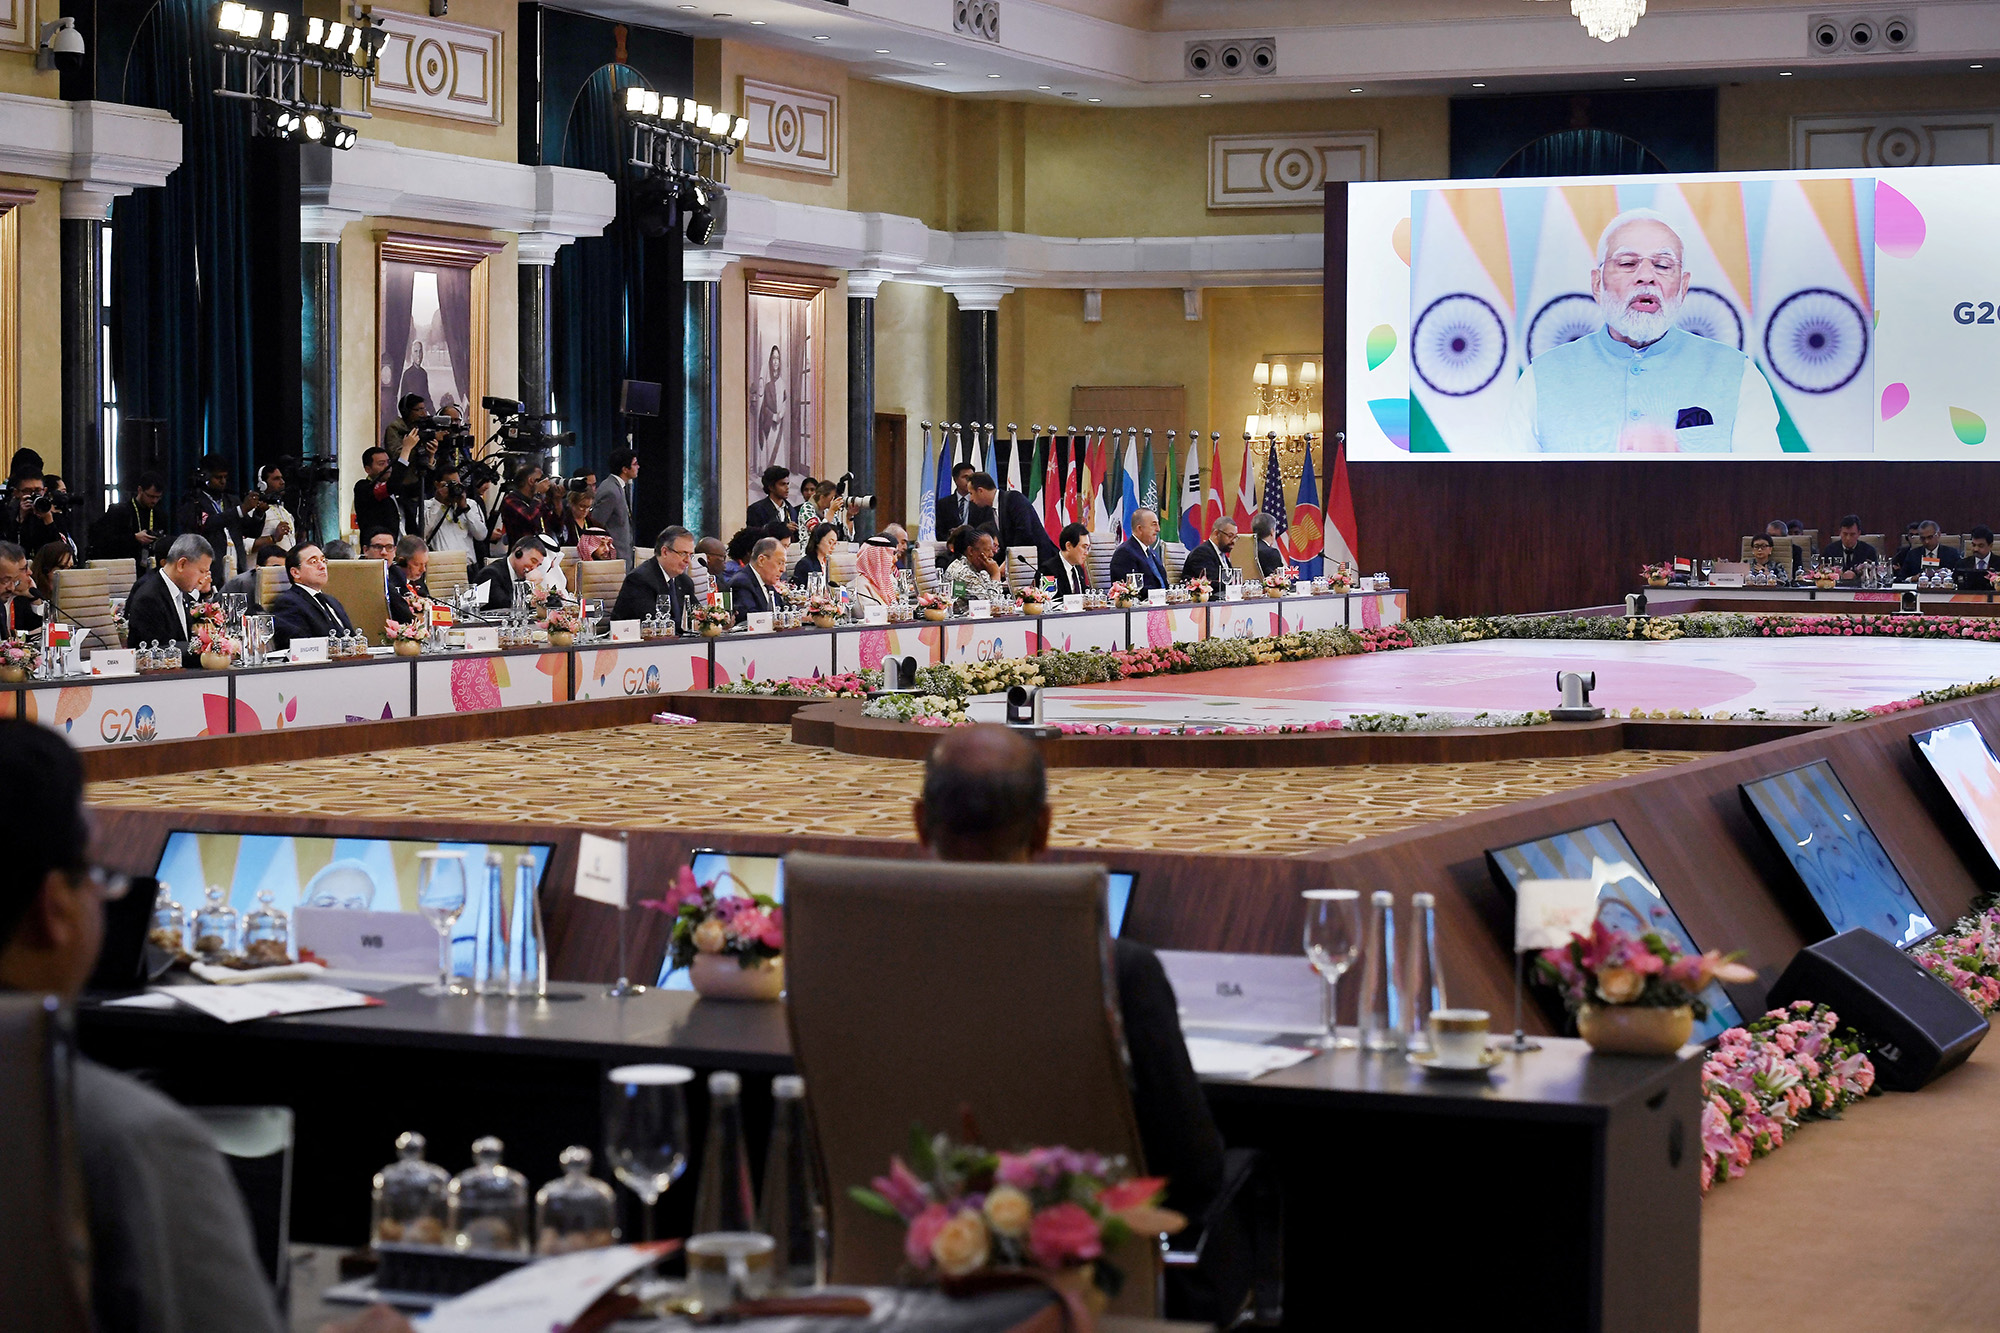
x: 642, y: 682
x: 117, y: 725
x: 1973, y: 312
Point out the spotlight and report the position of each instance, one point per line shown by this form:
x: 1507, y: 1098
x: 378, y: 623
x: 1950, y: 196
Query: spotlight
x: 742, y: 130
x: 688, y: 111
x: 700, y: 226
x: 344, y: 136
x: 374, y: 37
x: 315, y: 127
x: 315, y: 31
x: 281, y: 24
x: 336, y: 36
x: 655, y: 211
x: 669, y: 108
x: 635, y: 98
x: 650, y: 104
x: 229, y: 16
x: 252, y: 26
x: 353, y: 42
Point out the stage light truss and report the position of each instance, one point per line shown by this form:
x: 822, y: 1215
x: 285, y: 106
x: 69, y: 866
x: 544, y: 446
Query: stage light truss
x: 264, y: 57
x: 682, y: 149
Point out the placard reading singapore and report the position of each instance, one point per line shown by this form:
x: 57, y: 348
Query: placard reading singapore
x: 1763, y: 315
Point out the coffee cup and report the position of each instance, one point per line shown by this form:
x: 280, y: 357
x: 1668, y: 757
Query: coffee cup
x: 1458, y: 1037
x: 725, y: 1267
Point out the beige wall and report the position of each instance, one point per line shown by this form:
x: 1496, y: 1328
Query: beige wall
x: 912, y: 325
x: 439, y: 134
x: 19, y: 75
x: 1753, y: 129
x: 39, y: 317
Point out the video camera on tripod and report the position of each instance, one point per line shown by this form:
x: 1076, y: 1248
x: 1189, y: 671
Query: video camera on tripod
x: 520, y: 433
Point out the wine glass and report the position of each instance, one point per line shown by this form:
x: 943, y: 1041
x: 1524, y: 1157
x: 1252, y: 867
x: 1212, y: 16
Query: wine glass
x: 1332, y: 943
x: 646, y: 1129
x: 441, y: 897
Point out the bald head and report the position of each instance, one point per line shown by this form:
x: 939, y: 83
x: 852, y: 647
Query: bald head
x: 985, y: 797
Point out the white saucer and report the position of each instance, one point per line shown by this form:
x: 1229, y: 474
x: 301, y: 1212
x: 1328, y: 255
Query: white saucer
x: 1430, y: 1064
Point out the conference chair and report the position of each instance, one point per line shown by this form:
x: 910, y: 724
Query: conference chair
x: 923, y: 560
x: 359, y: 587
x: 1878, y: 540
x: 122, y: 574
x: 447, y: 572
x: 1022, y: 563
x: 256, y: 1142
x: 44, y: 1231
x: 1176, y: 557
x: 1102, y: 546
x: 922, y: 993
x: 601, y: 580
x: 272, y: 580
x: 83, y: 599
x: 703, y: 584
x: 843, y: 571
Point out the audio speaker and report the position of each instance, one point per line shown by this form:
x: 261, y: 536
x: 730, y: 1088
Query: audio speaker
x: 1918, y: 1027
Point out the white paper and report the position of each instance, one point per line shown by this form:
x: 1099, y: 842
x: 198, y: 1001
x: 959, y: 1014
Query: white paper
x: 308, y: 650
x: 759, y: 622
x: 1072, y: 601
x: 1156, y: 597
x: 152, y: 999
x: 114, y: 662
x: 625, y: 631
x: 600, y: 869
x: 874, y: 613
x: 1262, y: 992
x: 394, y: 943
x: 1548, y: 911
x: 216, y: 975
x: 482, y: 639
x: 548, y: 1294
x: 978, y: 610
x: 1213, y: 1057
x: 1232, y: 592
x: 268, y: 999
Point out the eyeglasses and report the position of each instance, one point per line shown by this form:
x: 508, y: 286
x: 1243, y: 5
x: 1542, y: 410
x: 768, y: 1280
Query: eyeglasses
x: 111, y: 885
x: 1665, y: 263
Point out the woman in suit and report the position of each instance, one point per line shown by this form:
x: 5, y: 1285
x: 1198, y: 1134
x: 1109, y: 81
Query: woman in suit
x: 818, y: 558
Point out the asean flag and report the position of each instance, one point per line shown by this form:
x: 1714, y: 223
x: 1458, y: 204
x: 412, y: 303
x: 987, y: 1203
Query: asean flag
x: 1304, y: 540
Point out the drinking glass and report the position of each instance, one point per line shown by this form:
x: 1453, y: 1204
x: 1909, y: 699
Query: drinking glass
x: 646, y: 1129
x: 1332, y: 943
x: 441, y: 897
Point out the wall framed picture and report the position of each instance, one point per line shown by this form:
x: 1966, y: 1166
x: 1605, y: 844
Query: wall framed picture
x: 785, y: 373
x: 431, y: 324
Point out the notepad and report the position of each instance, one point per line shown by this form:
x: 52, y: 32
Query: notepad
x: 269, y: 999
x: 1215, y: 1058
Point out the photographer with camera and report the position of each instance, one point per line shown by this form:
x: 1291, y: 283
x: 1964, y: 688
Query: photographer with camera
x: 133, y: 527
x: 530, y: 507
x: 36, y: 513
x: 398, y: 437
x: 377, y: 493
x: 280, y: 528
x: 211, y: 513
x: 455, y: 519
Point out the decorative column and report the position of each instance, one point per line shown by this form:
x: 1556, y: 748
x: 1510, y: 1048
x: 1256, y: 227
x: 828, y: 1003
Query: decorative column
x: 701, y: 389
x: 318, y: 511
x: 535, y: 253
x: 862, y: 287
x: 978, y: 346
x: 84, y: 213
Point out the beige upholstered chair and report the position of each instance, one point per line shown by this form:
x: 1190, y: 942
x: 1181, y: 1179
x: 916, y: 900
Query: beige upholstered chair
x: 272, y: 580
x: 358, y: 586
x: 1878, y: 540
x: 83, y: 599
x: 1176, y: 557
x: 918, y: 992
x: 1101, y: 548
x: 843, y: 563
x: 703, y: 584
x: 601, y: 580
x: 1022, y: 563
x: 924, y: 560
x: 120, y: 574
x: 447, y: 572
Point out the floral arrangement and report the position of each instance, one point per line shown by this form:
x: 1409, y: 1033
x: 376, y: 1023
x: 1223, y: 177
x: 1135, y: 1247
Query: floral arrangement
x: 966, y: 1209
x: 204, y: 612
x: 847, y: 685
x: 1198, y: 728
x: 748, y: 927
x: 1611, y: 967
x: 1967, y: 958
x: 1652, y: 572
x: 1766, y: 1078
x: 1340, y: 578
x: 406, y: 632
x: 713, y: 616
x: 1281, y: 580
x: 824, y: 604
x: 209, y: 638
x: 1379, y: 722
x: 925, y: 710
x: 16, y: 653
x: 1385, y: 638
x: 564, y: 620
x: 1198, y: 587
x: 930, y: 601
x: 1126, y: 589
x: 995, y: 675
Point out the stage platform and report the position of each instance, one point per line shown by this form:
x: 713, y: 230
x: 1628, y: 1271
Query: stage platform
x: 1782, y: 676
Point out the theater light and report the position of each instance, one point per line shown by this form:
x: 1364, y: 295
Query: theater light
x: 688, y: 110
x: 281, y: 25
x: 252, y: 25
x: 635, y: 98
x: 315, y: 31
x: 229, y: 17
x: 336, y: 35
x: 315, y: 127
x: 669, y: 107
x: 742, y: 130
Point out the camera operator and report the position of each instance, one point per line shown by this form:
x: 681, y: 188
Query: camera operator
x: 455, y: 519
x: 280, y: 528
x: 530, y: 507
x: 211, y: 513
x: 133, y: 526
x: 36, y: 514
x: 376, y: 495
x: 397, y: 436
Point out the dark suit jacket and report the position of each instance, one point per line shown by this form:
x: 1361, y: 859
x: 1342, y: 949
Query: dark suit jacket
x: 957, y: 511
x: 24, y: 616
x: 398, y: 589
x: 1013, y: 515
x: 1269, y: 557
x: 499, y: 580
x: 747, y: 593
x: 1175, y: 1126
x: 1069, y: 578
x: 768, y: 510
x: 1206, y: 562
x: 807, y: 565
x: 115, y: 536
x: 1973, y: 579
x: 1911, y: 558
x: 1131, y: 558
x: 295, y: 615
x: 639, y: 595
x: 149, y: 612
x: 1862, y: 554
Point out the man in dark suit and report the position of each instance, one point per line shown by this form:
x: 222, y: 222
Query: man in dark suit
x: 129, y: 530
x: 755, y: 586
x: 985, y: 798
x: 1911, y: 560
x: 157, y: 609
x: 17, y: 604
x: 378, y: 494
x: 1071, y: 570
x: 956, y: 512
x: 665, y: 575
x: 614, y: 502
x: 1264, y: 529
x: 1979, y: 563
x: 306, y: 610
x: 404, y: 576
x: 1848, y: 550
x: 775, y: 507
x: 1013, y: 517
x: 1142, y: 556
x: 1210, y: 560
x: 524, y: 557
x: 211, y: 513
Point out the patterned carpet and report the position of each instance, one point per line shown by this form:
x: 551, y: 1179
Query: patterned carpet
x: 753, y: 777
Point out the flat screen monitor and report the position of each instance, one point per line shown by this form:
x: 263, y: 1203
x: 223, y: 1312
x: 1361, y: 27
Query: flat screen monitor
x: 1964, y: 763
x: 760, y: 872
x: 1627, y: 897
x: 1833, y: 854
x: 639, y: 398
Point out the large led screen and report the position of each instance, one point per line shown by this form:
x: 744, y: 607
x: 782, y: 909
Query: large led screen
x: 1835, y: 856
x: 1775, y: 314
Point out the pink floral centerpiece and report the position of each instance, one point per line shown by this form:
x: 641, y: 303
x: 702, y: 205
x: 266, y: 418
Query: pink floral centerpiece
x: 1043, y: 1214
x: 931, y: 606
x: 1766, y: 1078
x: 407, y: 637
x: 824, y: 609
x: 1634, y: 994
x: 1125, y: 591
x: 1199, y: 588
x: 1280, y: 581
x: 732, y: 943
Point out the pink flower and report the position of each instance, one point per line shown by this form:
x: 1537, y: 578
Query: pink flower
x: 903, y: 1191
x: 1131, y: 1193
x: 1063, y: 1234
x: 924, y: 1228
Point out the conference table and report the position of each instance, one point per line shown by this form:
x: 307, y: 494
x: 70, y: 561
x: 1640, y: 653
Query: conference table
x: 1562, y: 1188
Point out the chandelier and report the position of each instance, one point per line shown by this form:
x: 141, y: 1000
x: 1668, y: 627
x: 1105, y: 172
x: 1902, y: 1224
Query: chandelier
x: 1608, y: 20
x: 1286, y: 410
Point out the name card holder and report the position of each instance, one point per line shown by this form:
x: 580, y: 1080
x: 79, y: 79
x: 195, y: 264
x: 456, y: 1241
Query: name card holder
x: 874, y: 613
x: 1232, y: 592
x: 625, y: 631
x: 979, y: 610
x: 308, y: 650
x: 393, y: 943
x: 1156, y: 597
x: 114, y: 662
x: 759, y: 622
x: 1252, y: 991
x: 1072, y: 601
x: 482, y: 639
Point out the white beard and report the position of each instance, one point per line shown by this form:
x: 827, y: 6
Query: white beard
x: 1637, y: 326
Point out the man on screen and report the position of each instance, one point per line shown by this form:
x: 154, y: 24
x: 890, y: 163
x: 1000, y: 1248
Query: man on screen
x: 1639, y: 384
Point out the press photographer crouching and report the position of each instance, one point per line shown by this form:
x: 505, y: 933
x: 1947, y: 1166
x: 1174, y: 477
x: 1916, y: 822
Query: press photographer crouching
x: 132, y: 527
x: 157, y: 610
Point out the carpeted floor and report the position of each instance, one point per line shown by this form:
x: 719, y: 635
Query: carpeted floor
x: 752, y: 777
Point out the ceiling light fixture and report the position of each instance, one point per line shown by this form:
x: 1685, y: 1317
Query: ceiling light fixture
x: 756, y: 23
x: 1097, y: 99
x: 1353, y: 90
x: 937, y: 64
x: 1041, y: 87
x: 992, y: 76
x: 1631, y: 78
x: 822, y: 37
x: 1479, y: 85
x: 1784, y: 74
x: 881, y: 50
x: 1608, y: 20
x: 1205, y: 96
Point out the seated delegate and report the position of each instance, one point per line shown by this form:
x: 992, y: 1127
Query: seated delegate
x: 977, y: 568
x: 306, y: 610
x: 1977, y: 566
x: 1848, y: 550
x: 1928, y: 553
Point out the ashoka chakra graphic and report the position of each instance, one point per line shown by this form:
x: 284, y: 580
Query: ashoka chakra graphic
x: 1816, y: 340
x: 1458, y: 345
x: 1708, y: 314
x: 1563, y: 320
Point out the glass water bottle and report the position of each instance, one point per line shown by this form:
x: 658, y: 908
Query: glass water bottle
x: 723, y: 1201
x: 489, y: 941
x: 1381, y: 1010
x: 527, y: 960
x: 790, y: 1211
x: 1423, y: 981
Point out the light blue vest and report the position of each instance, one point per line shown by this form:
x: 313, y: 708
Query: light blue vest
x: 1588, y: 392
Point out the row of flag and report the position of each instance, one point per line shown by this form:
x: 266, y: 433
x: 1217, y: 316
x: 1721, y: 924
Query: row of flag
x: 1086, y: 478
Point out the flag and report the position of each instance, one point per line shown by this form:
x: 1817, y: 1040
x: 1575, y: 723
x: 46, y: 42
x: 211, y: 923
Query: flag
x: 1274, y: 495
x: 1009, y: 474
x: 1073, y: 506
x: 1240, y: 502
x: 933, y: 495
x: 1128, y: 486
x: 1111, y: 482
x: 1170, y: 509
x: 1100, y: 485
x: 1211, y: 507
x: 1304, y: 542
x: 1343, y: 538
x: 1052, y: 494
x: 1192, y: 532
x: 1149, y: 477
x: 1031, y: 486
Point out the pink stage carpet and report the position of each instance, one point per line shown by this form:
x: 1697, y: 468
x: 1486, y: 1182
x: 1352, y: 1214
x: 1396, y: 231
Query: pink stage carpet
x: 1517, y: 675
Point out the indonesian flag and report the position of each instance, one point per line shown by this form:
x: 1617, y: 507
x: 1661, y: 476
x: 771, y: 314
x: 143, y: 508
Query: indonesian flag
x: 1304, y: 537
x: 1343, y: 537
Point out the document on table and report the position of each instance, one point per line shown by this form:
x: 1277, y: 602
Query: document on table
x: 1215, y: 1058
x: 550, y: 1293
x: 268, y: 999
